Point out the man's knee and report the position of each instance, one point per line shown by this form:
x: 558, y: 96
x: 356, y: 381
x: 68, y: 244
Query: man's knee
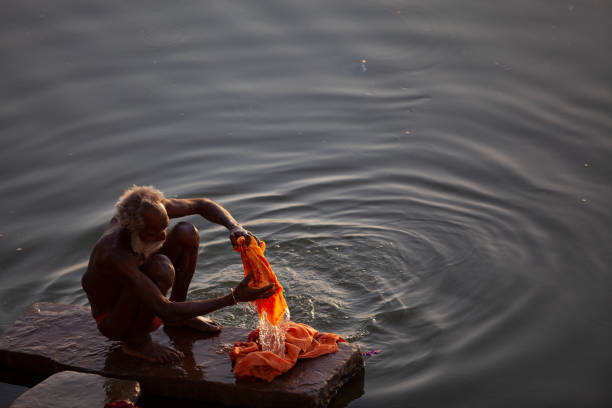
x: 186, y: 234
x: 161, y: 272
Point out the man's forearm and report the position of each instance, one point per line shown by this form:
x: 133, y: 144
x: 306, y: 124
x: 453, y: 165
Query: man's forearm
x: 215, y: 213
x: 179, y: 311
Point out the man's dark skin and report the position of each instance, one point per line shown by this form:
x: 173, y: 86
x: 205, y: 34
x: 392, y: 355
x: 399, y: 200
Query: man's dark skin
x: 133, y: 295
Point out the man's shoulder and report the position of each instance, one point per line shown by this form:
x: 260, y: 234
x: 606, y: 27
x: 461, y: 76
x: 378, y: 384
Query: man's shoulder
x: 108, y: 250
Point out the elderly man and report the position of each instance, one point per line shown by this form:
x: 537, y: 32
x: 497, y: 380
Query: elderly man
x: 135, y: 263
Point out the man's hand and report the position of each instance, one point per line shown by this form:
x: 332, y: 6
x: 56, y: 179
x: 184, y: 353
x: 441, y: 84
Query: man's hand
x: 239, y: 231
x: 244, y: 293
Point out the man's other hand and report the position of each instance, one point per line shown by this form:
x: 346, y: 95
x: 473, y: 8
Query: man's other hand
x: 244, y: 293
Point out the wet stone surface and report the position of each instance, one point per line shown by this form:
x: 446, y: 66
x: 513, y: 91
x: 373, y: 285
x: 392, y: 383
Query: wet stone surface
x: 72, y: 389
x: 50, y: 337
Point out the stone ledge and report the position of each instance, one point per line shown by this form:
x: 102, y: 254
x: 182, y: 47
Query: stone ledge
x: 69, y: 389
x: 50, y: 337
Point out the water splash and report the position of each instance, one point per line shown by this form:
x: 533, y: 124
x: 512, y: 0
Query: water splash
x: 272, y: 337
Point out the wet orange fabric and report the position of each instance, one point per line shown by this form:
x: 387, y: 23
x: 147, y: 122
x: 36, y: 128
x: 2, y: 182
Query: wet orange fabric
x: 253, y: 260
x: 301, y: 341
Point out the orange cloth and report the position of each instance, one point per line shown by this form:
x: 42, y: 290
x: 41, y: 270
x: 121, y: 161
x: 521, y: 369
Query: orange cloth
x: 155, y: 324
x: 301, y: 341
x: 253, y: 260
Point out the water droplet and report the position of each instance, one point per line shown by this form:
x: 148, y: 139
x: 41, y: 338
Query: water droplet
x: 19, y: 249
x: 224, y: 348
x: 584, y: 200
x: 586, y: 164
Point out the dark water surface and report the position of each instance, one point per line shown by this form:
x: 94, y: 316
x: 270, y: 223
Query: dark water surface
x: 432, y: 178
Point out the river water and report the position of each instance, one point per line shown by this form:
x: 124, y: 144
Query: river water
x: 432, y: 178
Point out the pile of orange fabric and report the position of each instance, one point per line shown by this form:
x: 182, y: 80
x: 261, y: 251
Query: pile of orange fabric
x: 301, y: 341
x: 253, y: 260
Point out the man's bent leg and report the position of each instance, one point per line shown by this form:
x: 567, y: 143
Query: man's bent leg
x: 140, y: 345
x: 119, y: 322
x: 160, y: 270
x: 182, y: 246
x: 130, y: 323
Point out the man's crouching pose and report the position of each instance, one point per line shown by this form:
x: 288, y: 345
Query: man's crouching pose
x: 135, y: 263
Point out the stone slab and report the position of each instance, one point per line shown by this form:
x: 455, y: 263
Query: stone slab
x: 70, y: 389
x: 51, y: 337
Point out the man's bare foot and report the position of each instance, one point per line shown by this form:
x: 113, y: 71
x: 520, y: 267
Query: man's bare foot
x: 151, y: 351
x: 203, y: 324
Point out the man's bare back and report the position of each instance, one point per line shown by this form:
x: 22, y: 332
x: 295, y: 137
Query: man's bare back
x: 136, y: 261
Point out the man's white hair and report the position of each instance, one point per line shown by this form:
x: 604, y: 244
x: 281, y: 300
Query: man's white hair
x: 130, y: 205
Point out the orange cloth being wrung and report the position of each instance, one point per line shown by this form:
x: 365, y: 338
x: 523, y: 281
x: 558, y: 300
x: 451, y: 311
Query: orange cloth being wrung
x: 301, y: 341
x: 253, y: 260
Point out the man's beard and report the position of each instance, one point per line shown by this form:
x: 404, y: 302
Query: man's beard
x: 144, y: 249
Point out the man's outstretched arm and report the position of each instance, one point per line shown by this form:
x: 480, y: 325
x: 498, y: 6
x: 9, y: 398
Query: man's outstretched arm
x: 212, y: 211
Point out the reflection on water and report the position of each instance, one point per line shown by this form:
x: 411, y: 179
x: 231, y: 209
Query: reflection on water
x: 432, y: 179
x: 116, y: 360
